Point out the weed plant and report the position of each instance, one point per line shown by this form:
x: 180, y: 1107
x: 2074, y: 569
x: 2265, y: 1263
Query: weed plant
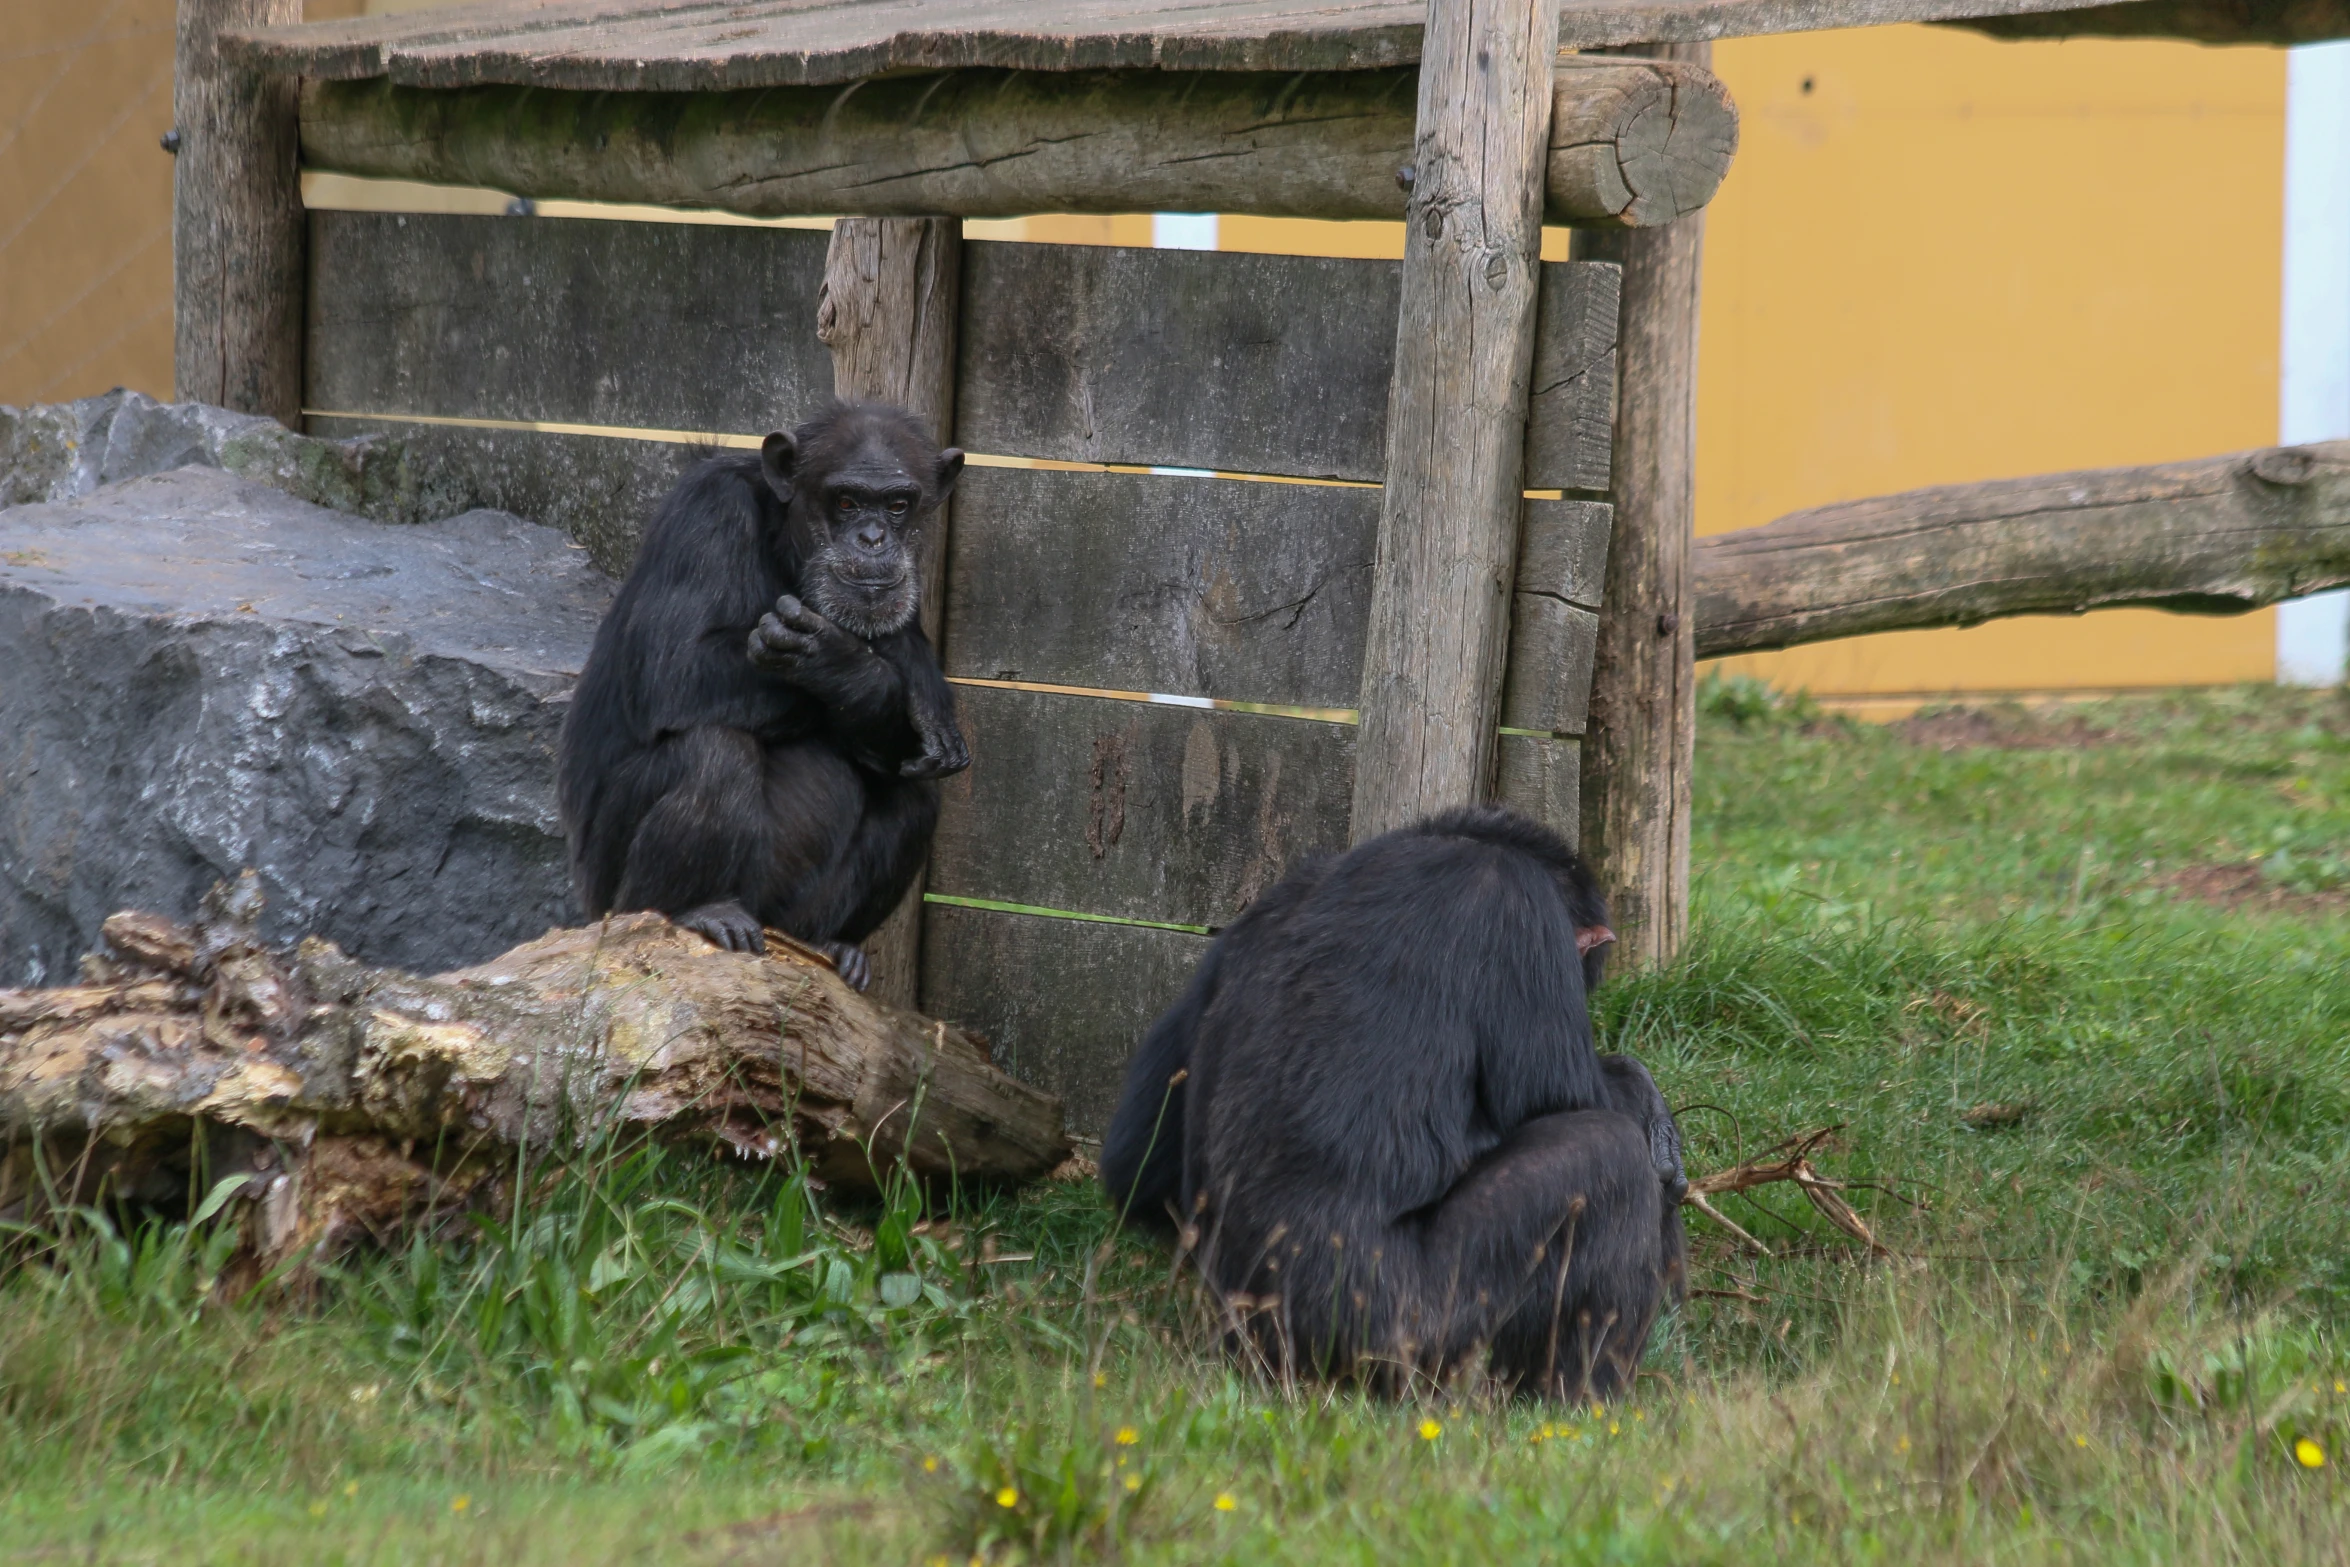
x: 2104, y: 1126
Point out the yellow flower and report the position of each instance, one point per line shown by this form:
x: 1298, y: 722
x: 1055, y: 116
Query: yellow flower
x: 1598, y: 1413
x: 350, y: 1488
x: 461, y: 1503
x: 1134, y: 1482
x: 930, y: 1466
x: 2309, y: 1454
x: 1613, y: 1428
x: 318, y: 1509
x: 1224, y: 1502
x: 2339, y: 1388
x: 1007, y: 1497
x: 1902, y: 1444
x: 1101, y: 1379
x: 1127, y: 1436
x: 2080, y: 1441
x: 1430, y: 1430
x: 936, y: 1561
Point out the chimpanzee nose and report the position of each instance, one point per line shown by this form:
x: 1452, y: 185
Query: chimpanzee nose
x: 873, y: 535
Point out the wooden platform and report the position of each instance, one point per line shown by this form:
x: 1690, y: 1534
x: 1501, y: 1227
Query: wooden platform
x: 699, y: 45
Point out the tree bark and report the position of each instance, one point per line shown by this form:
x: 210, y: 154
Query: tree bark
x: 888, y: 311
x: 237, y: 225
x: 393, y: 1093
x: 1456, y: 413
x: 1639, y: 743
x: 2216, y: 536
x: 1633, y: 144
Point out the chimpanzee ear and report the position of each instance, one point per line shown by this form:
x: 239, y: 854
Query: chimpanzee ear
x: 779, y: 454
x: 1589, y: 936
x: 950, y: 464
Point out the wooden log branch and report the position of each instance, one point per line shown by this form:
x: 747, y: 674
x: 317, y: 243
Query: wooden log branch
x: 1632, y: 144
x: 2216, y: 536
x: 888, y: 308
x: 2200, y: 21
x: 1438, y: 628
x: 237, y: 225
x: 361, y: 1096
x: 1640, y: 737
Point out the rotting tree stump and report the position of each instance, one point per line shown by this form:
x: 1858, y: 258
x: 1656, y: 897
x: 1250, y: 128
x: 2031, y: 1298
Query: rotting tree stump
x: 358, y: 1099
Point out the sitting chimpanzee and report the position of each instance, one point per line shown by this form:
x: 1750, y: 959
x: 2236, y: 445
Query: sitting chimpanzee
x: 1377, y: 1114
x: 754, y: 739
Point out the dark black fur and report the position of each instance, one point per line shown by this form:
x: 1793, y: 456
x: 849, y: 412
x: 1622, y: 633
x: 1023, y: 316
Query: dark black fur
x: 754, y: 738
x: 1378, y: 1110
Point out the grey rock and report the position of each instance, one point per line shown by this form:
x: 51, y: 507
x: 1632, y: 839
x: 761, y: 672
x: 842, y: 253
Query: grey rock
x: 199, y: 672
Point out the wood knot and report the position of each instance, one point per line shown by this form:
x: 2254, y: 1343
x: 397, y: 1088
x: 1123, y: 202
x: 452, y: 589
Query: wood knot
x: 1667, y: 623
x: 2282, y: 465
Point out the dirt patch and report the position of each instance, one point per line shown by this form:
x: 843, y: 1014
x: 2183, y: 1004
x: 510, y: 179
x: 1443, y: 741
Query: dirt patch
x: 2013, y: 729
x: 2241, y: 887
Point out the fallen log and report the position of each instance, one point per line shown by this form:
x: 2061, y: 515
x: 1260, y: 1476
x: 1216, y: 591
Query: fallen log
x: 2217, y: 536
x: 356, y: 1097
x: 1632, y: 143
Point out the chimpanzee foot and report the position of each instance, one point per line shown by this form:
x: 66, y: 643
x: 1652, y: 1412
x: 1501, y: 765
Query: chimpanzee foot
x: 849, y: 961
x: 727, y: 923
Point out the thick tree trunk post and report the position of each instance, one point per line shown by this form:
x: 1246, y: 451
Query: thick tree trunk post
x: 892, y: 287
x: 1456, y: 413
x: 237, y: 226
x: 1640, y: 742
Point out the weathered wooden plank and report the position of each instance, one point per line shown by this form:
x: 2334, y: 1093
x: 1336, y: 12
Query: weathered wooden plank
x: 1192, y: 359
x: 1642, y: 726
x: 1134, y: 809
x: 598, y: 489
x: 887, y: 312
x: 1543, y: 778
x: 236, y: 219
x: 1218, y: 588
x: 1562, y: 550
x: 1637, y: 144
x: 1552, y: 646
x: 1437, y: 646
x: 694, y: 327
x: 2216, y: 536
x: 1571, y: 402
x: 1062, y: 1002
x: 662, y: 45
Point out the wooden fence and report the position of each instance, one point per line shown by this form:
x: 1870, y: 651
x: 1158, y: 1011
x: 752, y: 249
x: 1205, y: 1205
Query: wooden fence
x: 1156, y: 670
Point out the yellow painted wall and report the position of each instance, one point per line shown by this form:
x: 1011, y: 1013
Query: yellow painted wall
x: 85, y: 197
x: 1941, y: 258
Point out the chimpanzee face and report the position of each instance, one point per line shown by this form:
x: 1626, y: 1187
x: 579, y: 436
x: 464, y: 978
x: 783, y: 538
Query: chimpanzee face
x: 860, y: 482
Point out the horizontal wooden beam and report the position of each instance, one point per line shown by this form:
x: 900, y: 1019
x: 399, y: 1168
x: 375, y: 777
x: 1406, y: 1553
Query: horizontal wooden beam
x: 2213, y: 537
x: 2200, y: 21
x: 1633, y: 143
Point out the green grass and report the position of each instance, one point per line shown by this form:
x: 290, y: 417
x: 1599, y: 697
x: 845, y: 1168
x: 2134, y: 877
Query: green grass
x: 2118, y: 1305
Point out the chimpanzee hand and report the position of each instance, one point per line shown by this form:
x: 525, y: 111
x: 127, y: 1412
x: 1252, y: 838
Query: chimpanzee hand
x: 943, y: 750
x: 803, y: 647
x: 728, y: 924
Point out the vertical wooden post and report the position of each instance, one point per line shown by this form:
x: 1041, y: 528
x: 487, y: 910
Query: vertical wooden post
x: 888, y: 311
x: 1640, y: 742
x: 1456, y: 412
x: 237, y: 226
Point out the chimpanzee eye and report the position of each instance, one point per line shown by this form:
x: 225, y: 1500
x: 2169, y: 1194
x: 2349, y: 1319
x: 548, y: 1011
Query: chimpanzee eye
x: 897, y: 508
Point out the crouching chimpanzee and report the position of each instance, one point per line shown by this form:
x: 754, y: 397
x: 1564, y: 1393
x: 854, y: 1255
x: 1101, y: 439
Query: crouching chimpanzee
x: 1378, y: 1115
x: 756, y: 734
